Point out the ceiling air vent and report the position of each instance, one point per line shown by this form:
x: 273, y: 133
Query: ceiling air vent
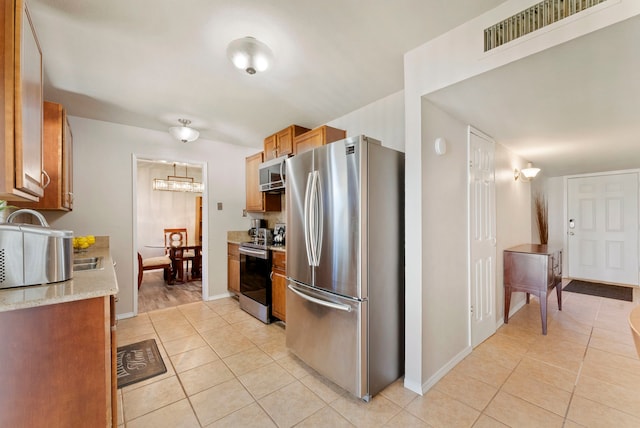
x: 531, y: 19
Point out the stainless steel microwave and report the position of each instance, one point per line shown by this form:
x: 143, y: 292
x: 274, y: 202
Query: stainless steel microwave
x: 272, y: 175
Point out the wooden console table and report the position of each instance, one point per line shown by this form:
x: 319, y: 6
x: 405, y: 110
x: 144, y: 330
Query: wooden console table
x: 533, y: 269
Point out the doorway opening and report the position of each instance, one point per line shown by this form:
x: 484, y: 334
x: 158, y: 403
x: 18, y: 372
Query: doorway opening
x: 166, y: 205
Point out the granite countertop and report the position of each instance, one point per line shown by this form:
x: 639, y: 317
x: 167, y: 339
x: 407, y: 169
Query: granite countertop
x: 240, y: 236
x: 84, y: 284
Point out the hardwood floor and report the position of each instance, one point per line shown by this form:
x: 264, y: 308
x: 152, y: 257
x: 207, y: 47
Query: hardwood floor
x: 154, y: 293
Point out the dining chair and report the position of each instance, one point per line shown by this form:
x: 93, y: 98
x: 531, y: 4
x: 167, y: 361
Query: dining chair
x: 176, y: 238
x: 153, y: 263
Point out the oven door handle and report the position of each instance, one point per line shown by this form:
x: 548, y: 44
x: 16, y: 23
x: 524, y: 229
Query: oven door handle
x: 250, y: 252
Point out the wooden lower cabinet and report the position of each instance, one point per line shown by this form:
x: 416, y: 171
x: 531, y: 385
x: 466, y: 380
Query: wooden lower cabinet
x: 279, y: 285
x: 57, y: 365
x: 233, y: 268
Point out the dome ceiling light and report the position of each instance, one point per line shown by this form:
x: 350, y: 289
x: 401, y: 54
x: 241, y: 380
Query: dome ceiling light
x: 184, y: 133
x: 250, y: 55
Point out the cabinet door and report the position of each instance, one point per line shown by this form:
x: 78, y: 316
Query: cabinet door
x: 285, y: 141
x: 279, y: 295
x: 233, y: 268
x: 254, y: 195
x: 57, y: 146
x: 316, y: 138
x: 67, y: 164
x: 308, y: 141
x: 258, y: 201
x: 279, y: 285
x: 21, y: 177
x: 270, y: 147
x: 28, y: 105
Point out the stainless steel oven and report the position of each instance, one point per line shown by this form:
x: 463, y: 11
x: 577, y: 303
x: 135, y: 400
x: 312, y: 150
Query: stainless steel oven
x: 255, y: 280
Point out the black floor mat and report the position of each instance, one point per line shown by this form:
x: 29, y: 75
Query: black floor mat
x: 602, y: 290
x: 139, y: 361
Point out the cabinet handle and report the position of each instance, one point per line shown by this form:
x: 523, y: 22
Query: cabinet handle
x: 47, y: 177
x: 70, y: 197
x: 271, y: 276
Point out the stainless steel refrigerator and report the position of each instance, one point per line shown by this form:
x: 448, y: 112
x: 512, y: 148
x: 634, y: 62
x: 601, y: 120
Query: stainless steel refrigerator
x: 345, y: 263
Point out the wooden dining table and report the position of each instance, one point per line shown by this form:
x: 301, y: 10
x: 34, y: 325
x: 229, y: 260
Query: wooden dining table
x: 176, y: 254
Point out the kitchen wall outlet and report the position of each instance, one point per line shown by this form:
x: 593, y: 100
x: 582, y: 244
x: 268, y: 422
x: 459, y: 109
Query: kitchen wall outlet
x: 219, y: 206
x: 244, y: 213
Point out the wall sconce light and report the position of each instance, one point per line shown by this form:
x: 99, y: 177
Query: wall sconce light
x: 184, y: 133
x: 526, y: 174
x: 249, y: 54
x: 440, y: 146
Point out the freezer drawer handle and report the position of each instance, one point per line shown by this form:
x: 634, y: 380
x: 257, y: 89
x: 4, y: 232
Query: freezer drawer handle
x: 332, y: 305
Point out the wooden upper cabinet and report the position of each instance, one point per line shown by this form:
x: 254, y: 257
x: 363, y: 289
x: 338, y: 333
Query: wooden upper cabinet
x: 258, y: 201
x: 316, y: 138
x: 21, y: 126
x: 281, y: 143
x: 58, y: 161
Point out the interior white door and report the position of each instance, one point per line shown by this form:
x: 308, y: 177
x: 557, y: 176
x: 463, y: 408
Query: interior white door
x: 603, y: 228
x: 482, y: 237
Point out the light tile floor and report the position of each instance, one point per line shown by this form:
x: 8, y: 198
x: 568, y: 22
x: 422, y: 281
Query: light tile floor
x: 226, y: 369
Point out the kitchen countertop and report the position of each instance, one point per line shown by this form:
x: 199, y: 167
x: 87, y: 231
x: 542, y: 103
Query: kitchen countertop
x: 240, y: 236
x: 84, y: 284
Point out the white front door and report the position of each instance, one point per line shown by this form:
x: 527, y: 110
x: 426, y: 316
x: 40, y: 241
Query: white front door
x: 603, y: 228
x: 482, y: 237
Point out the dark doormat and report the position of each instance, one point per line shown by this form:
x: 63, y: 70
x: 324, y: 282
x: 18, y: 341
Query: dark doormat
x: 602, y: 290
x: 139, y: 361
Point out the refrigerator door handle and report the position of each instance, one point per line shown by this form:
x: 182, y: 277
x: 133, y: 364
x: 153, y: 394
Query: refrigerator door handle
x: 319, y: 216
x: 306, y: 232
x: 315, y: 219
x: 320, y: 302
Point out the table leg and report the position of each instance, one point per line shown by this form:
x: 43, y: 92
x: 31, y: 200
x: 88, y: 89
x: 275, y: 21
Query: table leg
x: 507, y: 303
x: 543, y: 312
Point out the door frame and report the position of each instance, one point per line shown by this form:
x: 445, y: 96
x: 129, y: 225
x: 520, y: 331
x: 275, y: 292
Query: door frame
x: 205, y: 221
x: 565, y: 203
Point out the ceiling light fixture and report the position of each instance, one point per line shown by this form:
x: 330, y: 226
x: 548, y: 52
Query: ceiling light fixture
x: 250, y: 54
x: 526, y: 174
x: 178, y: 183
x: 184, y: 133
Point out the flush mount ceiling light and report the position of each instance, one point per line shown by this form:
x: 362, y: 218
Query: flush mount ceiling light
x: 184, y: 133
x: 249, y: 54
x: 527, y: 173
x: 178, y: 183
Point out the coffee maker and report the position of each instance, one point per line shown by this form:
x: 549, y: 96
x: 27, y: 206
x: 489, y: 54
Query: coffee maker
x: 256, y: 224
x: 278, y: 234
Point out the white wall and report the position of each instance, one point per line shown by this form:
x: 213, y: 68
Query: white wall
x: 445, y: 302
x: 382, y: 120
x: 513, y: 220
x: 103, y: 182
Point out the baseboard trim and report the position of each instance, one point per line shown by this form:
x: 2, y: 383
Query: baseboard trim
x: 445, y: 369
